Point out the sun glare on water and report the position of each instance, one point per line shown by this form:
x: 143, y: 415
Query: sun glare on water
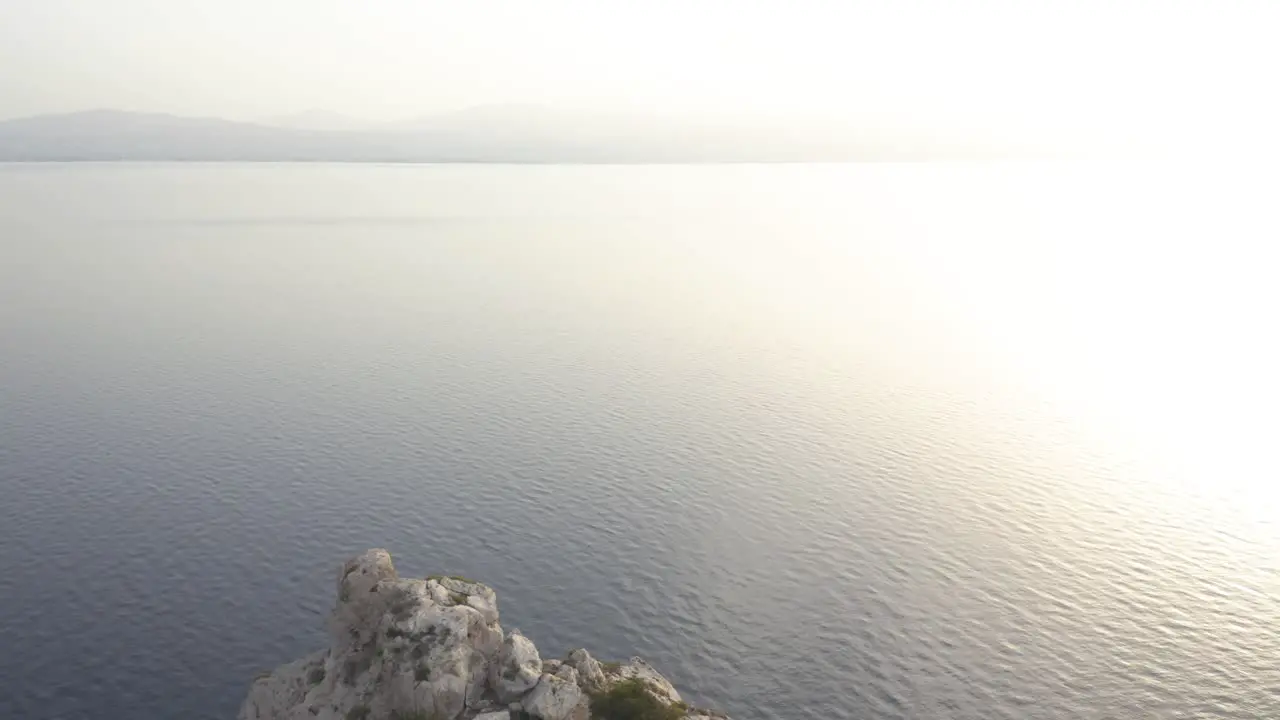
x: 1143, y: 308
x: 1133, y: 302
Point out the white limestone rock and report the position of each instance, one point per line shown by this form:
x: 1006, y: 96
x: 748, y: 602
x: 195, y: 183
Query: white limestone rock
x: 658, y: 685
x: 431, y: 646
x: 396, y: 645
x: 557, y: 697
x: 274, y: 695
x: 590, y: 674
x: 516, y: 669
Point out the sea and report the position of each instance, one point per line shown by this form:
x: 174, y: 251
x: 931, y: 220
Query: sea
x: 971, y: 441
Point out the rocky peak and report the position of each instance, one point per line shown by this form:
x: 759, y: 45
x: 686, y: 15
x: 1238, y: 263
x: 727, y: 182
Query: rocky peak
x: 432, y: 649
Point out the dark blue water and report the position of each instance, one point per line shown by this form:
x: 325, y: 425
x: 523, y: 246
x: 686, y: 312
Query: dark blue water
x: 845, y: 442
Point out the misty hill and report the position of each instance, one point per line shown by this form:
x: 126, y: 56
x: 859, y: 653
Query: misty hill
x: 518, y: 134
x: 319, y: 120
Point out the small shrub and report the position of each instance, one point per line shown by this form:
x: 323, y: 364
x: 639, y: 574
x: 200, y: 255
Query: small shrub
x: 631, y: 700
x: 458, y: 598
x: 316, y: 676
x: 611, y: 667
x: 359, y: 712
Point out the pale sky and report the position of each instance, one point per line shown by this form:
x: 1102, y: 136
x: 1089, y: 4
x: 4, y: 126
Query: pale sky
x: 1130, y: 66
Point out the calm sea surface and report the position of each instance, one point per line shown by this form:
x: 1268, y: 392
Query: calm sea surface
x: 925, y: 441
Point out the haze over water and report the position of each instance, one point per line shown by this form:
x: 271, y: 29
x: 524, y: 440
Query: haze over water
x: 840, y: 441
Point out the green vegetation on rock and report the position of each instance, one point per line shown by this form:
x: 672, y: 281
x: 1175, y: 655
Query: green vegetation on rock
x: 631, y: 700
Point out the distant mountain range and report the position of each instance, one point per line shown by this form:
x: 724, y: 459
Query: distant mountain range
x: 515, y: 134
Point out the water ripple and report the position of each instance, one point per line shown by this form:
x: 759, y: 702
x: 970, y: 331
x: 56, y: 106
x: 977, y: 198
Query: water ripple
x: 793, y: 522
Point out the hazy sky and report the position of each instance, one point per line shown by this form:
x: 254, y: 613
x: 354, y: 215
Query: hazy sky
x: 1053, y: 65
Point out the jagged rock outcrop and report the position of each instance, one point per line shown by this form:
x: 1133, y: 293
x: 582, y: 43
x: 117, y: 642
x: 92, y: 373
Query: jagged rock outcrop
x: 516, y: 669
x: 557, y: 697
x: 590, y: 674
x: 432, y: 649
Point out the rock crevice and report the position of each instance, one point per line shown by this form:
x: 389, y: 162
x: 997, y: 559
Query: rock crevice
x: 432, y: 649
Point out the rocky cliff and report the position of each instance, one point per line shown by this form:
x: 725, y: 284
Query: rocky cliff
x: 432, y: 649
